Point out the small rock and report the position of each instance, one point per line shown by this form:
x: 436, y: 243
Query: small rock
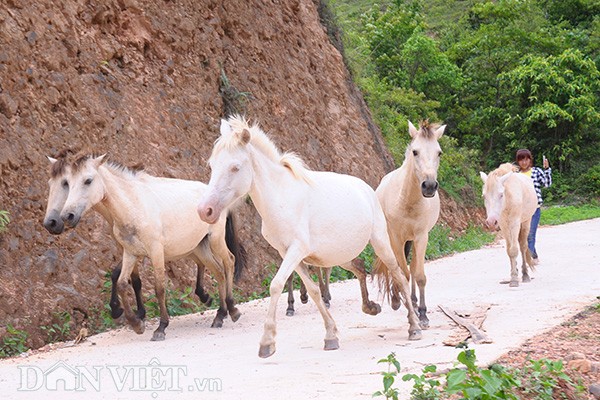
x: 595, y: 390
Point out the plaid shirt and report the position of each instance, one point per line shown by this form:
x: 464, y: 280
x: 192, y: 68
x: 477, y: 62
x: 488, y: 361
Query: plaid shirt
x: 541, y: 178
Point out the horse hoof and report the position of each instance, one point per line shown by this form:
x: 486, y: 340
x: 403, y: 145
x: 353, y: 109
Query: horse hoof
x: 331, y: 344
x: 396, y: 303
x: 526, y: 279
x: 266, y: 351
x: 116, y: 313
x: 424, y: 323
x: 158, y: 336
x: 304, y: 299
x: 289, y: 313
x: 415, y: 335
x: 235, y: 314
x: 371, y: 308
x: 217, y: 323
x: 513, y: 284
x: 138, y: 327
x: 327, y: 304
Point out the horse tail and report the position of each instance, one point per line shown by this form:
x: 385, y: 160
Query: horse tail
x: 529, y: 260
x: 235, y: 247
x: 384, y: 278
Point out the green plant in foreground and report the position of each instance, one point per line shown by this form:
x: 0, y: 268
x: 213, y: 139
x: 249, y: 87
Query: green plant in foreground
x: 424, y: 388
x: 178, y: 303
x: 477, y: 383
x: 389, y: 377
x: 540, y: 379
x: 13, y: 342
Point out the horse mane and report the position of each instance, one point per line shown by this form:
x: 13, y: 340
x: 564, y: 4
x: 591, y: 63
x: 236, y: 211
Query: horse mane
x: 80, y: 160
x: 261, y: 141
x: 62, y: 161
x: 503, y: 169
x: 428, y: 129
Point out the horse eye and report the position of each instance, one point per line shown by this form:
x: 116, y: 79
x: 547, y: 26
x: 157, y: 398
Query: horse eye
x: 415, y: 153
x: 235, y: 168
x: 88, y: 181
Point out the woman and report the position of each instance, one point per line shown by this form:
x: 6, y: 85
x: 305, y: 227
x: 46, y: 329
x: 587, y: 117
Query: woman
x: 540, y: 178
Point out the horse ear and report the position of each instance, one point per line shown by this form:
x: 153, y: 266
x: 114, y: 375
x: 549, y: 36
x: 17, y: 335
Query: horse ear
x: 483, y: 176
x: 99, y: 160
x: 225, y: 128
x: 412, y: 130
x: 439, y: 132
x: 245, y: 137
x: 52, y: 160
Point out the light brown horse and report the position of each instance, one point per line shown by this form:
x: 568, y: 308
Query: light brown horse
x: 510, y: 202
x: 151, y: 217
x: 411, y: 206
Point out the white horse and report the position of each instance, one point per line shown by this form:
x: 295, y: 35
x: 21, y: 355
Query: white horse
x: 313, y: 217
x: 151, y: 217
x: 410, y: 202
x: 510, y: 202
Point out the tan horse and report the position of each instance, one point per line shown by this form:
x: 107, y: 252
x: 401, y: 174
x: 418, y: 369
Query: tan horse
x: 411, y: 205
x: 151, y: 217
x: 510, y: 202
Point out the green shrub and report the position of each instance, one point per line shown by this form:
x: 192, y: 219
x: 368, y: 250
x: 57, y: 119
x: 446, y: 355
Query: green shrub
x: 13, y: 342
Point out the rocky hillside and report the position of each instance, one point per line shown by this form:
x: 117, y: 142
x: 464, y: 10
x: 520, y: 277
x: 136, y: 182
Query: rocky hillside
x: 147, y: 81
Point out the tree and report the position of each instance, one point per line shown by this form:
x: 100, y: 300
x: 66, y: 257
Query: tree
x: 556, y: 104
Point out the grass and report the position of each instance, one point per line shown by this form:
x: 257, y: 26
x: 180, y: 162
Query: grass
x: 556, y: 215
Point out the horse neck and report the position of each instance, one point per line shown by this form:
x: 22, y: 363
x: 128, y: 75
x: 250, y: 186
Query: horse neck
x: 113, y: 206
x: 269, y: 181
x: 411, y: 189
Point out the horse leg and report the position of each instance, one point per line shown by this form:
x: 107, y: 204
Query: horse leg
x: 290, y: 289
x: 203, y: 255
x: 158, y: 263
x: 324, y: 285
x: 221, y: 253
x: 331, y: 340
x: 417, y: 272
x: 524, y: 247
x: 292, y: 259
x: 303, y: 294
x: 357, y: 267
x: 136, y: 283
x: 381, y: 244
x: 512, y: 250
x: 128, y: 264
x: 401, y: 249
x: 202, y: 295
x: 115, y: 305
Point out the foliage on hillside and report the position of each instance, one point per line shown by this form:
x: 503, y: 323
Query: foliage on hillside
x: 503, y: 75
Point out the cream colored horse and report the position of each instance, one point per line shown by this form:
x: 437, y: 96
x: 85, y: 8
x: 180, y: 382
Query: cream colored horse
x: 313, y: 217
x: 510, y: 202
x: 151, y: 217
x: 411, y: 204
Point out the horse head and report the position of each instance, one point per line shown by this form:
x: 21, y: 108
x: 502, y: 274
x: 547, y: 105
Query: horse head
x: 425, y: 150
x: 57, y: 196
x: 231, y: 171
x: 493, y: 197
x: 86, y: 189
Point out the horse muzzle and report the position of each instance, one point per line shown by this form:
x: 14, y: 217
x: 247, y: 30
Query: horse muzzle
x: 208, y: 214
x: 429, y: 187
x: 70, y: 219
x: 54, y: 225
